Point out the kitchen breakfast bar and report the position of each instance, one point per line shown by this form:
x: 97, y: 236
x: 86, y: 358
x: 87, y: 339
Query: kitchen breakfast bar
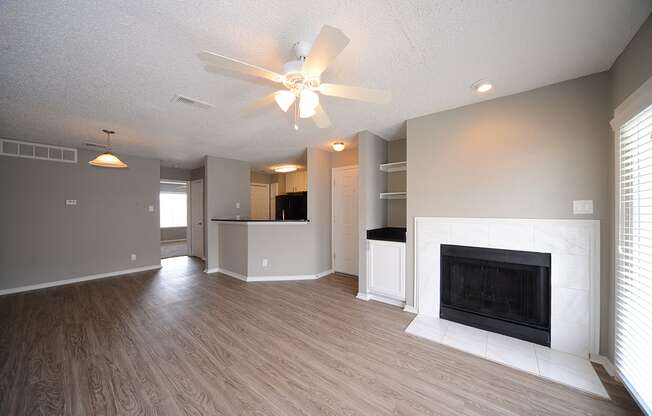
x: 267, y: 250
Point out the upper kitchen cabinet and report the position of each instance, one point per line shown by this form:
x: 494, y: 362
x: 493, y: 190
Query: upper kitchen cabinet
x: 296, y: 181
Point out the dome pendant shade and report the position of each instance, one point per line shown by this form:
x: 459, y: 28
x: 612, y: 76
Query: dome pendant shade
x: 308, y: 102
x: 284, y: 99
x: 108, y: 159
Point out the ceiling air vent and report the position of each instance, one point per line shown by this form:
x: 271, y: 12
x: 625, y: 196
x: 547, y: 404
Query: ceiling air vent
x: 27, y: 150
x: 191, y: 101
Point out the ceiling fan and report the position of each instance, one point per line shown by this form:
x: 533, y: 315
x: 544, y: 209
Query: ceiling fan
x: 301, y: 78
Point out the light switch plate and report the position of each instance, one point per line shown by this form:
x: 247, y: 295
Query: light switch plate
x: 151, y: 208
x: 237, y: 205
x: 584, y: 206
x: 71, y: 202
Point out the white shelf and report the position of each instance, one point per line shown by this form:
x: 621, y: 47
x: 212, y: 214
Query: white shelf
x: 393, y: 195
x: 394, y: 167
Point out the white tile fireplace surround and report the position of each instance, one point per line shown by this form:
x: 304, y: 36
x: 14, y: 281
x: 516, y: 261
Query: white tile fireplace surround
x: 574, y: 246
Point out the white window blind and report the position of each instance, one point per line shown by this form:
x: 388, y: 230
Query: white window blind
x: 633, y: 346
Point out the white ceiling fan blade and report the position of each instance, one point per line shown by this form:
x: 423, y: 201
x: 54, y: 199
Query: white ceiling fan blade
x: 329, y: 43
x: 356, y: 93
x: 231, y: 64
x: 258, y: 105
x: 321, y: 118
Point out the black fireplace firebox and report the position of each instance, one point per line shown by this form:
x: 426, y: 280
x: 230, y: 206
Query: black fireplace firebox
x: 504, y: 291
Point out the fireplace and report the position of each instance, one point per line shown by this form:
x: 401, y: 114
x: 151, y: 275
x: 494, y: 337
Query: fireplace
x: 503, y: 291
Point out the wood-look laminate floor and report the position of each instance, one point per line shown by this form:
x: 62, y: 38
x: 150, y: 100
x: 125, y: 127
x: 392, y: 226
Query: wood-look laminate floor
x: 178, y: 341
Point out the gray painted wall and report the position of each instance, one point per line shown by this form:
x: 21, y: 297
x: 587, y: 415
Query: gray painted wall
x: 372, y: 211
x: 261, y: 177
x: 634, y: 65
x: 527, y: 155
x: 43, y: 240
x: 630, y: 70
x: 175, y: 173
x: 233, y: 247
x: 198, y: 173
x: 226, y: 183
x: 347, y: 157
x: 174, y: 233
x: 396, y: 182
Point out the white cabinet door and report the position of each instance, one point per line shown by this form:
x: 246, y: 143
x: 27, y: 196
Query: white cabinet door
x: 386, y: 268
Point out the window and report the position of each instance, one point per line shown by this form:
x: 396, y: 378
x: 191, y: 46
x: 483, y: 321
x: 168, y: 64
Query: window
x: 174, y: 204
x: 633, y: 336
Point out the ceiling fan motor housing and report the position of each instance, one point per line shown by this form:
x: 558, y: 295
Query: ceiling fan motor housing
x: 301, y: 50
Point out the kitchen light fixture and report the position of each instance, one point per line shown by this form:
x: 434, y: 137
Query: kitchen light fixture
x: 285, y: 168
x: 483, y: 85
x: 338, y: 146
x: 108, y: 159
x: 284, y: 99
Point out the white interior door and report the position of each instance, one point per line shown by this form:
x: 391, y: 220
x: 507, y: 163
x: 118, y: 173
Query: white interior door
x: 273, y: 192
x: 259, y: 201
x: 197, y: 218
x: 345, y: 220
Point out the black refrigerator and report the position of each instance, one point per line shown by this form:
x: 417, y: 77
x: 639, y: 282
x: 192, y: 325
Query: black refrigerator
x: 292, y: 206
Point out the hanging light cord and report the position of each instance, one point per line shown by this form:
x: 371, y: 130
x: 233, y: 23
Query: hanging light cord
x: 108, y: 139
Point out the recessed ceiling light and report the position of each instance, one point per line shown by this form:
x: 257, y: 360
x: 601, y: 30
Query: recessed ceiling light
x: 483, y: 85
x: 338, y: 146
x: 285, y: 168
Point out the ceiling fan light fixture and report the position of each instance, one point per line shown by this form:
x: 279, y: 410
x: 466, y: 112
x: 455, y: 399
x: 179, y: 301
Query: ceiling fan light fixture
x: 338, y: 146
x: 308, y: 102
x: 284, y: 99
x: 285, y: 168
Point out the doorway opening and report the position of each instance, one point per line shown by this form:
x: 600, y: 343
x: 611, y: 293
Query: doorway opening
x: 344, y: 220
x: 173, y: 202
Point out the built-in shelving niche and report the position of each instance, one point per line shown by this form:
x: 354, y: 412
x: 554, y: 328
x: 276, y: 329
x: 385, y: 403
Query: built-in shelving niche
x: 393, y: 195
x: 389, y: 168
x: 394, y: 167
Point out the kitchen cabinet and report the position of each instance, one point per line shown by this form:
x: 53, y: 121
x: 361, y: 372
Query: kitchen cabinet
x: 386, y: 271
x: 296, y: 181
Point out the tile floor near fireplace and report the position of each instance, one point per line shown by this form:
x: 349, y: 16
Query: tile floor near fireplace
x: 555, y: 365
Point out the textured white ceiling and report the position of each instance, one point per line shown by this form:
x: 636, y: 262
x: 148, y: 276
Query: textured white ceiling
x: 69, y: 69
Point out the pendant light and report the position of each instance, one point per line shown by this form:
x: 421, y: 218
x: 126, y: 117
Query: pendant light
x: 108, y: 159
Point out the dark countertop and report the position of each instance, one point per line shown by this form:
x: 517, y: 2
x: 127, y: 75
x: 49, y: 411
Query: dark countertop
x: 249, y: 220
x: 396, y: 234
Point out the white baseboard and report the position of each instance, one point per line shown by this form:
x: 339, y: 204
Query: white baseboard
x: 410, y: 309
x: 363, y: 296
x: 606, y: 363
x: 232, y: 274
x: 385, y: 299
x: 78, y: 279
x: 283, y: 278
x: 324, y: 273
x: 380, y: 298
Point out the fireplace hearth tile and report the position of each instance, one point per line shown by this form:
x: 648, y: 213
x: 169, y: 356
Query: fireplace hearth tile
x: 561, y: 367
x: 522, y: 359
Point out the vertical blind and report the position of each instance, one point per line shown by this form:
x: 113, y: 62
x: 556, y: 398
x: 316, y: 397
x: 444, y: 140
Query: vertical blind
x: 633, y: 329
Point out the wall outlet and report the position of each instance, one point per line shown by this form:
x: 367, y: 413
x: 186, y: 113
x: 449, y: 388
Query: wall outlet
x: 150, y: 208
x: 265, y: 263
x: 237, y: 205
x: 71, y: 202
x: 133, y: 257
x: 584, y: 206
